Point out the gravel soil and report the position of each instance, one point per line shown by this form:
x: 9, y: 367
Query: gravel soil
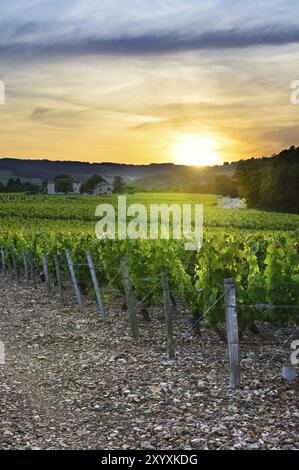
x: 70, y: 382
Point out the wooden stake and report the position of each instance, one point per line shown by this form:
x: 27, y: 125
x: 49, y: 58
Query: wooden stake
x: 58, y: 277
x: 96, y: 286
x: 130, y: 300
x: 168, y: 315
x: 3, y: 260
x: 31, y: 267
x: 46, y: 272
x: 232, y: 332
x: 26, y: 271
x: 74, y: 280
x: 14, y: 262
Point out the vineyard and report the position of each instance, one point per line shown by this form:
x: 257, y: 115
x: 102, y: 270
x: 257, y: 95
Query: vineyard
x: 260, y: 250
x: 155, y: 375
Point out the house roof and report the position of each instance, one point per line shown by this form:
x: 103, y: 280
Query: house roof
x: 103, y: 183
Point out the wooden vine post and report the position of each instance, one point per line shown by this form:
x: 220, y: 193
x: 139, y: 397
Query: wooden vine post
x: 58, y: 277
x: 3, y: 259
x: 231, y: 318
x: 74, y: 280
x: 168, y: 315
x: 130, y: 300
x: 46, y: 272
x: 14, y: 262
x: 96, y: 286
x: 31, y: 267
x: 26, y: 271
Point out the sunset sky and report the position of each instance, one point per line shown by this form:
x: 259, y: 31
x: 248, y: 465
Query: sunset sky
x: 140, y: 81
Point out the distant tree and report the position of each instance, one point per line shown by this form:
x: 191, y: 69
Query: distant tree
x: 31, y: 188
x: 224, y: 185
x: 292, y: 189
x: 10, y: 183
x: 17, y: 186
x: 118, y: 185
x: 63, y: 184
x: 14, y: 186
x: 271, y: 183
x: 200, y: 189
x: 2, y: 188
x: 91, y: 183
x: 130, y: 189
x: 63, y: 176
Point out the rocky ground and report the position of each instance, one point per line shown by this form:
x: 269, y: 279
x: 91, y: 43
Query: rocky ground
x: 70, y: 382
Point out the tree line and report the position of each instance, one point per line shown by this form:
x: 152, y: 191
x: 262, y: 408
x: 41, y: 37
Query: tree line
x: 63, y: 184
x: 18, y: 186
x: 270, y: 183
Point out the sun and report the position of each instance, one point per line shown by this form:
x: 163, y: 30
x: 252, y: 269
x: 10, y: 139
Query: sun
x: 195, y: 150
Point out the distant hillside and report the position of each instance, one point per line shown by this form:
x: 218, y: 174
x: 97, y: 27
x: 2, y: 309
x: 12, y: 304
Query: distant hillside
x: 147, y: 176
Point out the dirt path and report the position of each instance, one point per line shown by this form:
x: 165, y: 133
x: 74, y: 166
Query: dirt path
x: 232, y: 203
x: 70, y: 382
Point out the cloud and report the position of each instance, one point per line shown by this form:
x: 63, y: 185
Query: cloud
x: 40, y: 112
x: 285, y: 137
x: 61, y: 117
x: 155, y: 44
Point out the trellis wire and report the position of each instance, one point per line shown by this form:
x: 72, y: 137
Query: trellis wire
x: 197, y: 321
x: 266, y: 306
x: 100, y: 267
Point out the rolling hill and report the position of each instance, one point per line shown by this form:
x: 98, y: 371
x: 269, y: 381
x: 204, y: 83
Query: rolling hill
x: 148, y: 176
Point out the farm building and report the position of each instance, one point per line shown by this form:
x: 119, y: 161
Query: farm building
x: 51, y: 187
x: 76, y: 188
x: 103, y: 188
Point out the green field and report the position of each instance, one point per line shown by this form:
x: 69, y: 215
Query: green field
x: 77, y: 213
x: 259, y: 249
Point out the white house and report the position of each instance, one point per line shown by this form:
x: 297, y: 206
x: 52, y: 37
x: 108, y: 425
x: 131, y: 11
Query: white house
x: 103, y: 188
x: 77, y: 187
x: 51, y: 187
